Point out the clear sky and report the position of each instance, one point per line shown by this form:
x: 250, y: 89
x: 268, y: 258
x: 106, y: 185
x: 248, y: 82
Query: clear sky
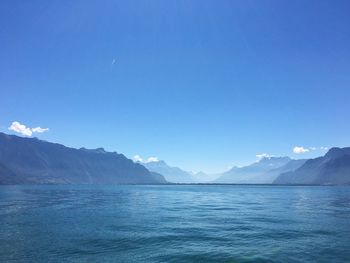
x: 201, y: 84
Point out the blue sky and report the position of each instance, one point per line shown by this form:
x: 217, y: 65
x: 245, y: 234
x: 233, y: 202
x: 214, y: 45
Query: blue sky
x: 201, y: 84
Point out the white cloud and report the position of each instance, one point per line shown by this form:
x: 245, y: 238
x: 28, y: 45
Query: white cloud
x: 137, y: 158
x: 25, y: 131
x: 263, y: 155
x: 40, y: 130
x: 152, y: 159
x: 300, y: 149
x: 20, y: 128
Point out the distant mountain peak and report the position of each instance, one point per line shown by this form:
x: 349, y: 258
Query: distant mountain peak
x: 171, y: 173
x: 158, y: 162
x: 274, y: 158
x: 252, y: 173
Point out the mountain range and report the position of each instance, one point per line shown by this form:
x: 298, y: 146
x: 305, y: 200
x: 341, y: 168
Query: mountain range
x: 331, y: 169
x: 171, y: 174
x: 177, y: 175
x: 264, y: 171
x: 33, y: 161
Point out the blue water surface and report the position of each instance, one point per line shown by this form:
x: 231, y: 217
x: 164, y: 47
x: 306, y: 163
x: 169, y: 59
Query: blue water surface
x: 174, y: 223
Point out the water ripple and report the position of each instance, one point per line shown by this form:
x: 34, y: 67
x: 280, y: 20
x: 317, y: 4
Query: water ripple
x: 174, y: 224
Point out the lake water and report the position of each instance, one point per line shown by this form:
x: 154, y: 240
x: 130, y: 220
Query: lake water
x: 186, y: 223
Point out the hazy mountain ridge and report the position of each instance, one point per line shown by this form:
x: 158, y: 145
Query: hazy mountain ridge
x: 172, y: 174
x: 175, y: 174
x: 263, y: 171
x: 331, y: 169
x: 33, y: 161
x: 269, y: 176
x: 202, y: 177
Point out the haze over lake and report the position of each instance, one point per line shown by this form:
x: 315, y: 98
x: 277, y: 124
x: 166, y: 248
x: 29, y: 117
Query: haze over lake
x: 174, y: 223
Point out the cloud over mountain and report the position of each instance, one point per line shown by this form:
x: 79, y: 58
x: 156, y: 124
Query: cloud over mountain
x: 138, y: 158
x: 300, y: 149
x: 24, y: 130
x: 263, y: 155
